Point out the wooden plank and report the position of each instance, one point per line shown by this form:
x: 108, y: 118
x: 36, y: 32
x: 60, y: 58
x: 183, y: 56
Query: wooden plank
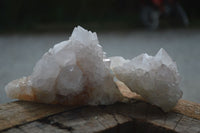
x: 184, y: 107
x: 20, y: 112
x: 36, y: 127
x: 188, y: 108
x: 135, y: 114
x: 120, y: 117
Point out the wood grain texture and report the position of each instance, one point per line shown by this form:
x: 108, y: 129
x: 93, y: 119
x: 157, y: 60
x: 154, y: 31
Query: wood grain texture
x: 120, y: 117
x: 133, y: 115
x: 184, y: 107
x: 188, y: 108
x: 20, y: 112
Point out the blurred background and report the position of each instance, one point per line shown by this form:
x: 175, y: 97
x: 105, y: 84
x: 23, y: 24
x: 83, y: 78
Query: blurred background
x: 124, y: 27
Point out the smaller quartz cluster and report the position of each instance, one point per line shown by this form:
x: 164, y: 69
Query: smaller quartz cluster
x: 155, y: 78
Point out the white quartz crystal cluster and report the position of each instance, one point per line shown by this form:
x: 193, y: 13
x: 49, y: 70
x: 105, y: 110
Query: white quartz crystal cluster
x: 155, y: 78
x: 77, y: 72
x: 76, y: 67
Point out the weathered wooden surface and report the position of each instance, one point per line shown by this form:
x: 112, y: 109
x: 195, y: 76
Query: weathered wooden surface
x: 184, y: 107
x: 20, y: 112
x: 133, y: 116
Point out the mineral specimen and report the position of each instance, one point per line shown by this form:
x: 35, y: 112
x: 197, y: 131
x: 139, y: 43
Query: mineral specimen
x: 155, y: 78
x: 77, y: 72
x: 72, y: 72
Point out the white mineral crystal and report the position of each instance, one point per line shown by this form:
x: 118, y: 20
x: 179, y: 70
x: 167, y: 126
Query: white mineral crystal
x: 76, y: 67
x: 77, y: 72
x: 155, y: 78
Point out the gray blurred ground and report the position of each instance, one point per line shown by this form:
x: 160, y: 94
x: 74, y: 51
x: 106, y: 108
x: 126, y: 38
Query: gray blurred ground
x: 19, y: 53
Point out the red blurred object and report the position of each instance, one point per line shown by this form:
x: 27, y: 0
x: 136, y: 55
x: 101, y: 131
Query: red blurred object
x: 152, y: 10
x: 157, y: 2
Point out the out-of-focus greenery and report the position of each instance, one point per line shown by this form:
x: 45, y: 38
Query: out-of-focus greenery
x: 32, y: 14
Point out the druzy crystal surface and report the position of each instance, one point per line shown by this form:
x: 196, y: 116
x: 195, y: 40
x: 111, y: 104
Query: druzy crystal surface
x: 155, y: 78
x: 73, y: 71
